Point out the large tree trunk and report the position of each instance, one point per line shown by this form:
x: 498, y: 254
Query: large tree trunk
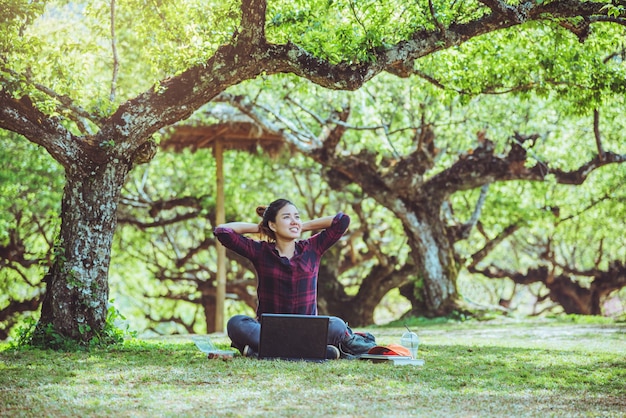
x: 433, y: 253
x: 75, y: 303
x: 357, y: 310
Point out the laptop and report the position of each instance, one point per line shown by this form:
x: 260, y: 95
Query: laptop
x: 293, y: 337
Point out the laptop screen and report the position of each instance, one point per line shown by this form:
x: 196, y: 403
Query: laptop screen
x: 293, y: 337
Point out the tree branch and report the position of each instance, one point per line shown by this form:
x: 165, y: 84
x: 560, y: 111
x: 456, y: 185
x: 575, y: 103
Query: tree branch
x: 480, y: 255
x: 596, y: 133
x: 249, y: 56
x: 22, y: 117
x: 482, y: 166
x: 8, y: 314
x: 518, y: 14
x: 65, y: 105
x: 332, y: 133
x: 174, y: 319
x: 463, y: 231
x: 252, y: 23
x: 155, y: 208
x: 116, y: 63
x: 593, y: 203
x: 159, y: 222
x: 433, y: 14
x: 572, y: 296
x: 304, y: 141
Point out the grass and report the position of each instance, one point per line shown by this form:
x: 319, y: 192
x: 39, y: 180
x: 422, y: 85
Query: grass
x: 539, y: 368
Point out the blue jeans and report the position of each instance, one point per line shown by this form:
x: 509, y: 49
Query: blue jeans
x: 244, y: 330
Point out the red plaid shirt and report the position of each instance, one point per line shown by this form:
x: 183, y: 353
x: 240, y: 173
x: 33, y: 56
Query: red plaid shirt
x: 286, y: 285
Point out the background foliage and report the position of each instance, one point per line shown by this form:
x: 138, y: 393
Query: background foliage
x: 536, y: 78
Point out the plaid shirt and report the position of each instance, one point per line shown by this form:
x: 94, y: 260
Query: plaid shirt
x: 286, y: 285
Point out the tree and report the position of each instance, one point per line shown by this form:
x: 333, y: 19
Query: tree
x: 421, y: 200
x: 98, y: 138
x: 577, y: 277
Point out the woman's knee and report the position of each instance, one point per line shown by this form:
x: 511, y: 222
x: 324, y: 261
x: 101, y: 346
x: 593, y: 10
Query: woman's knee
x: 243, y: 330
x: 236, y: 323
x: 235, y: 320
x: 337, y: 330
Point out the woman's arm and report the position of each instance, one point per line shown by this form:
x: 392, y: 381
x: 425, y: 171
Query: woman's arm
x: 317, y: 224
x: 241, y: 227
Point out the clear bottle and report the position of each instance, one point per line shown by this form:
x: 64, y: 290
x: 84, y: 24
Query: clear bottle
x: 411, y: 341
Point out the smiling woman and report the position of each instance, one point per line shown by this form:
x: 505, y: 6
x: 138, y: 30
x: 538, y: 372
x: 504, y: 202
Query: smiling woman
x: 287, y: 270
x: 281, y: 223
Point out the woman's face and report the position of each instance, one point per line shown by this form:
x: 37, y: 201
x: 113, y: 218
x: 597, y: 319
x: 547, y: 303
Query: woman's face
x: 288, y: 224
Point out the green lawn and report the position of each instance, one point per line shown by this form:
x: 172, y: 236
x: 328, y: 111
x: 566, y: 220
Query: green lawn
x: 504, y: 368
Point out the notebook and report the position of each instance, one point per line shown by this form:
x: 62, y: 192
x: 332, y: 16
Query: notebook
x: 397, y: 360
x: 293, y: 337
x: 204, y: 344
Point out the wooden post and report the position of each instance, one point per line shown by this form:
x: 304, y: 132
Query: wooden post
x: 220, y: 217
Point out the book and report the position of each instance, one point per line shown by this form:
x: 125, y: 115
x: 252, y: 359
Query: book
x: 396, y: 360
x: 205, y: 345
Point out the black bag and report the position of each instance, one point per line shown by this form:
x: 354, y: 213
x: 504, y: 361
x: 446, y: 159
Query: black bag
x: 356, y: 343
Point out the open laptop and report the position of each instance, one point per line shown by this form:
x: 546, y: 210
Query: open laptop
x: 293, y: 337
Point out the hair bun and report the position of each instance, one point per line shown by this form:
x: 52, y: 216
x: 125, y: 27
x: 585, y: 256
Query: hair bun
x: 260, y: 210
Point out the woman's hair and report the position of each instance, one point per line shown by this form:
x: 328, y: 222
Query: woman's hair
x: 268, y: 213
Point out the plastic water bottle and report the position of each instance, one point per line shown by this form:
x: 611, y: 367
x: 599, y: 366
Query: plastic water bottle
x: 411, y: 341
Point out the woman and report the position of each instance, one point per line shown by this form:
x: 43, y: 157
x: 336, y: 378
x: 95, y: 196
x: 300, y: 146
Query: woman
x: 287, y: 270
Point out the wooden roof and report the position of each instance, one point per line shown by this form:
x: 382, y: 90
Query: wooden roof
x: 234, y: 129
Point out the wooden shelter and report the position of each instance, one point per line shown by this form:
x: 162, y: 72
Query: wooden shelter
x: 231, y: 131
x: 232, y: 128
